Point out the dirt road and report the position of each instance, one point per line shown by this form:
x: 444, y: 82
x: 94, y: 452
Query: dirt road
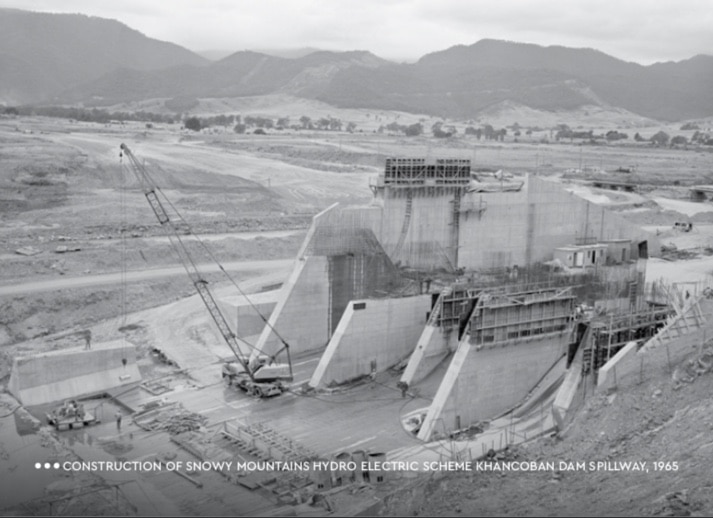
x: 137, y: 276
x: 295, y: 183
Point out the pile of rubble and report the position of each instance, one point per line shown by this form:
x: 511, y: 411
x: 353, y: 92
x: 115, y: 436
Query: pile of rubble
x: 700, y: 364
x: 171, y: 418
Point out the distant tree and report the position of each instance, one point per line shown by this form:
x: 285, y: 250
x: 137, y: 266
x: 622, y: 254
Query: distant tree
x: 563, y: 127
x: 564, y: 133
x: 438, y: 132
x: 351, y: 126
x: 306, y: 122
x: 260, y: 122
x: 323, y: 123
x: 259, y: 131
x: 223, y: 120
x: 489, y: 132
x: 11, y: 110
x: 501, y: 134
x: 283, y: 121
x: 263, y: 122
x: 660, y: 139
x: 394, y: 127
x: 702, y: 138
x: 192, y: 123
x: 614, y: 135
x: 335, y: 125
x: 690, y: 126
x: 638, y: 138
x: 679, y: 140
x: 470, y: 130
x: 240, y: 128
x: 414, y: 130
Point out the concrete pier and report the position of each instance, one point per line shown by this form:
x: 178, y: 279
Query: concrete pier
x: 73, y: 373
x: 372, y: 336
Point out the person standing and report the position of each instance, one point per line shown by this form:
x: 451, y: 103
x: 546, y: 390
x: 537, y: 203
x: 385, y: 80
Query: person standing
x: 118, y: 420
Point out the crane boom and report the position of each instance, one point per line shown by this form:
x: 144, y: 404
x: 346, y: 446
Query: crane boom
x: 201, y: 285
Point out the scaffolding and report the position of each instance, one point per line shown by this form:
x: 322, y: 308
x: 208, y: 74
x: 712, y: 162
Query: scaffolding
x: 505, y: 318
x: 411, y: 172
x: 609, y: 334
x: 500, y: 315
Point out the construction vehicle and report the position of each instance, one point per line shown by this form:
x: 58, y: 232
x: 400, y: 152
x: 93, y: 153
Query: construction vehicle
x: 71, y: 415
x: 255, y: 373
x: 264, y: 382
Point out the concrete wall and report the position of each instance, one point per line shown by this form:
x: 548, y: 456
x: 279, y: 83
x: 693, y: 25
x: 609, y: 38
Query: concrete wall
x: 495, y: 229
x: 625, y: 364
x: 385, y: 331
x: 73, y: 373
x: 517, y: 228
x: 243, y: 313
x: 301, y: 313
x: 340, y: 259
x: 249, y: 320
x: 566, y: 400
x: 433, y: 346
x: 481, y: 384
x: 497, y: 236
x: 430, y: 241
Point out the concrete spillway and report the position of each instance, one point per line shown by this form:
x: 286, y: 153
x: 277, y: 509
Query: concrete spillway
x: 72, y: 373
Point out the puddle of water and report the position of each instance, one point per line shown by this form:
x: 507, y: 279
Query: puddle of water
x: 19, y: 452
x: 100, y: 442
x: 152, y: 495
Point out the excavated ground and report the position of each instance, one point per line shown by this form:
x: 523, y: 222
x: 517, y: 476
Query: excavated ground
x: 655, y: 423
x: 62, y: 185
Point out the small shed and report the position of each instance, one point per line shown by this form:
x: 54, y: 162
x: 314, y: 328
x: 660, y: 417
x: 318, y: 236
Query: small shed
x: 618, y: 251
x: 582, y: 256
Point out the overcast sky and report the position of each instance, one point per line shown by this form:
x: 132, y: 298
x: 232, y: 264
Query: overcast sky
x: 644, y: 31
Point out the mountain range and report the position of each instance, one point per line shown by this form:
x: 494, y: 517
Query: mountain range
x: 67, y: 59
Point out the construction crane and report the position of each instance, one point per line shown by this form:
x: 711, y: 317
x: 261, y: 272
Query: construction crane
x: 255, y: 373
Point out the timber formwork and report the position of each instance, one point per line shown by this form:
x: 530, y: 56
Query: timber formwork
x: 500, y: 319
x: 610, y: 334
x: 498, y: 316
x: 412, y: 172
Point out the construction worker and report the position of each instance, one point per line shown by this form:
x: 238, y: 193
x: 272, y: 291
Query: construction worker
x: 118, y: 420
x: 87, y: 334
